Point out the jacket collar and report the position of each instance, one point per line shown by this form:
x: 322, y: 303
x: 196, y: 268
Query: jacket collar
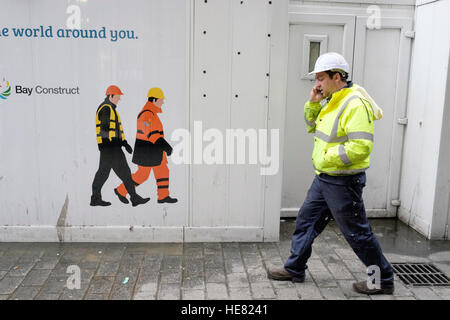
x: 107, y: 101
x: 150, y: 106
x: 349, y: 84
x: 338, y: 95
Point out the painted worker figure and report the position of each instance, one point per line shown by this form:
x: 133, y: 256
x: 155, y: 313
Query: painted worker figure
x: 151, y: 149
x: 111, y: 139
x: 343, y: 141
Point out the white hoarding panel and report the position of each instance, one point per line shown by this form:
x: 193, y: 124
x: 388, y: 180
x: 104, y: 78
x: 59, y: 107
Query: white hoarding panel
x: 186, y: 84
x: 57, y: 60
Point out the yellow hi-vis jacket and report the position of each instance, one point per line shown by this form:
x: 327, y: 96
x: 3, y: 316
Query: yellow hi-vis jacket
x: 108, y: 125
x: 343, y: 131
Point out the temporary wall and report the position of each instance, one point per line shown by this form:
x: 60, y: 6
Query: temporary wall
x: 221, y: 66
x: 425, y: 182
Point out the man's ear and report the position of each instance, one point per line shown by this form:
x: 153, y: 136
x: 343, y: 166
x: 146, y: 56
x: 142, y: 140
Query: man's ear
x: 337, y: 76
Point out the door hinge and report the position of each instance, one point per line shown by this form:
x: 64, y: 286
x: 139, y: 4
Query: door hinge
x: 410, y: 34
x: 403, y: 121
x: 396, y: 203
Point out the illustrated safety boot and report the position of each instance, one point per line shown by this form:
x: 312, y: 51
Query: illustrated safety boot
x: 121, y: 197
x: 282, y: 275
x: 168, y: 199
x: 97, y: 201
x: 137, y: 200
x: 361, y: 287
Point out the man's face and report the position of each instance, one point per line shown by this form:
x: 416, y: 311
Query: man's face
x: 159, y: 103
x: 327, y: 85
x: 115, y: 99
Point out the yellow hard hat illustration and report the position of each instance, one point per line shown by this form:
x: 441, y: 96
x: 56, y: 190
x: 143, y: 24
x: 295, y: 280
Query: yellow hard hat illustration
x: 156, y: 93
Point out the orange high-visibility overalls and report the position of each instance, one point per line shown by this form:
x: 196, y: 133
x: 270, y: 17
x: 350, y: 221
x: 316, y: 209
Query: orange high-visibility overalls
x: 150, y: 129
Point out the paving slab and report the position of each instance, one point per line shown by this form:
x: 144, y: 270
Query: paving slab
x: 147, y: 271
x: 308, y: 291
x: 25, y: 293
x: 47, y: 296
x: 146, y: 291
x: 287, y: 293
x: 262, y: 291
x: 54, y: 285
x: 216, y: 291
x: 169, y: 291
x: 8, y: 284
x: 192, y: 294
x: 97, y: 296
x: 101, y: 284
x: 36, y: 277
x: 47, y: 263
x: 215, y: 275
x: 242, y: 293
x: 333, y: 293
x: 237, y: 280
x: 425, y: 294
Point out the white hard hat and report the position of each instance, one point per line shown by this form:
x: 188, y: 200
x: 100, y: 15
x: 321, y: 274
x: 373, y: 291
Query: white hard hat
x: 330, y: 61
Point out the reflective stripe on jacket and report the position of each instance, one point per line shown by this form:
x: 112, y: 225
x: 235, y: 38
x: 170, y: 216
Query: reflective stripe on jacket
x: 108, y: 125
x: 343, y: 130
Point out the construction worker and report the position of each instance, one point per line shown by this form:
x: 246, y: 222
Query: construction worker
x: 343, y: 126
x: 150, y: 149
x: 111, y: 139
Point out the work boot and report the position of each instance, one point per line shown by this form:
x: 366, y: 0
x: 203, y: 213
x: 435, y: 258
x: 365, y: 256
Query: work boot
x: 361, y: 287
x: 121, y: 197
x: 281, y: 274
x: 168, y: 199
x: 137, y: 200
x: 97, y: 201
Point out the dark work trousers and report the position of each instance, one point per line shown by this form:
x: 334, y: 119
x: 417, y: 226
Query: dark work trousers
x: 340, y: 197
x: 113, y: 158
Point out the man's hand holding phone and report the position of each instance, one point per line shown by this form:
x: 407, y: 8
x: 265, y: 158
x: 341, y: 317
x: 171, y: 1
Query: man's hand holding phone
x: 316, y: 95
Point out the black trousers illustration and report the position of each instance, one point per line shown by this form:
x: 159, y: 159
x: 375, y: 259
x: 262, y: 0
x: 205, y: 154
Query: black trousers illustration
x: 112, y: 158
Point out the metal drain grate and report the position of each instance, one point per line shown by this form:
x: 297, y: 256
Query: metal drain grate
x: 420, y: 274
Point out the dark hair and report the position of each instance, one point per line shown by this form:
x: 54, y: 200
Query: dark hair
x: 343, y: 74
x: 152, y: 99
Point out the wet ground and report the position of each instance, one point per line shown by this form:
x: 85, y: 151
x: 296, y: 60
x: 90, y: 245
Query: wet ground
x: 395, y: 237
x: 211, y: 270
